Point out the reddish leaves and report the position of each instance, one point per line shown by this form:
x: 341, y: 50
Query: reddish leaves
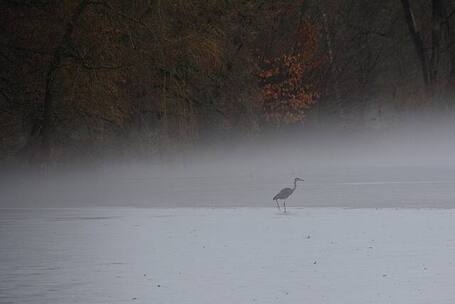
x: 287, y: 87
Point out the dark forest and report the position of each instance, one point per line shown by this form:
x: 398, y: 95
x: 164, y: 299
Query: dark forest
x: 150, y: 77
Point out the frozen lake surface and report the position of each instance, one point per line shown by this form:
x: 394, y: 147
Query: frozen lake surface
x: 238, y: 255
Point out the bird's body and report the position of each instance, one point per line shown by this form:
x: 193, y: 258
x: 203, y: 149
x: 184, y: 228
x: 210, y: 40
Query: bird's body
x: 285, y: 193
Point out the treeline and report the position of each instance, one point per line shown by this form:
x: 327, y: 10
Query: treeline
x: 155, y: 76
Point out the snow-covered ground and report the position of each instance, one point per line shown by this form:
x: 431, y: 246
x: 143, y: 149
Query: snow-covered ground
x: 239, y: 255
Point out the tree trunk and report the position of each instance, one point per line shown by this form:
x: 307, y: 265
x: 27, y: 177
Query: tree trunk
x: 46, y: 120
x: 417, y: 40
x: 435, y: 40
x: 333, y: 66
x: 449, y: 93
x: 429, y: 61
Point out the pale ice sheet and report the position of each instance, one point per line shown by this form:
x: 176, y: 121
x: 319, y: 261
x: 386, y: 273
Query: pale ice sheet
x: 241, y: 255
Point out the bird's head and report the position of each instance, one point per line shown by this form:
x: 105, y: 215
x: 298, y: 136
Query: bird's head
x: 298, y: 179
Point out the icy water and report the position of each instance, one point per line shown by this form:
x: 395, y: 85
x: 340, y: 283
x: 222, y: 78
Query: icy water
x: 243, y: 255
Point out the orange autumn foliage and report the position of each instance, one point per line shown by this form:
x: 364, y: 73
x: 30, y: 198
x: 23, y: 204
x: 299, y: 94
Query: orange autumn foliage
x: 287, y: 88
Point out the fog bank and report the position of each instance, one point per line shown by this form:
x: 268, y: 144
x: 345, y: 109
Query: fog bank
x: 410, y: 166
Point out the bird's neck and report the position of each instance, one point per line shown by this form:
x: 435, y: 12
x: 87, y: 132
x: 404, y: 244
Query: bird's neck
x: 295, y: 185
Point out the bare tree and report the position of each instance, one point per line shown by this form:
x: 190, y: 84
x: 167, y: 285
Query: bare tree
x: 429, y: 59
x: 46, y: 122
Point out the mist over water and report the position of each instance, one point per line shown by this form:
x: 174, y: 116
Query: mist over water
x: 408, y: 166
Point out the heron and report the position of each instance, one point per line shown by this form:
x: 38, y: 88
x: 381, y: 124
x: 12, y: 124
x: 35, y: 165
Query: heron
x: 285, y: 193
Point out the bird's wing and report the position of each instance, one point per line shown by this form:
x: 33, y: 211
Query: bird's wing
x: 283, y: 193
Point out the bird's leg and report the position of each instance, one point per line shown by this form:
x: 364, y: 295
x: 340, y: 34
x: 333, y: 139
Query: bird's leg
x: 278, y: 205
x: 284, y: 204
